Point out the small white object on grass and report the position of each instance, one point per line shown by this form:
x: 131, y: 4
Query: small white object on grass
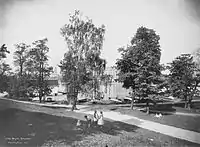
x: 78, y: 123
x: 158, y: 115
x: 151, y: 139
x: 30, y: 124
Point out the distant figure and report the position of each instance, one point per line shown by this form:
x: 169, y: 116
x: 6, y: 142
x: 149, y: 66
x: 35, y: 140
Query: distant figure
x: 88, y: 120
x: 95, y: 117
x: 78, y: 124
x: 100, y: 120
x: 158, y: 115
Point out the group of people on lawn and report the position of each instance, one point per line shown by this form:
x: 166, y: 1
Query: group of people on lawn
x: 97, y: 120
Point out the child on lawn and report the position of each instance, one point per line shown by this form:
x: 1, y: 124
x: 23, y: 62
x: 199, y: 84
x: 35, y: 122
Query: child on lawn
x: 88, y: 121
x: 101, y: 120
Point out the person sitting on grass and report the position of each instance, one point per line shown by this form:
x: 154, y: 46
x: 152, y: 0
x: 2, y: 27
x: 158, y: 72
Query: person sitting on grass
x: 88, y: 121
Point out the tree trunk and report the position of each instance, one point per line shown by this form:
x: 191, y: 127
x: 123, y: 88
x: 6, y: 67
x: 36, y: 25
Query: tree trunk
x: 40, y: 98
x: 147, y: 107
x: 93, y: 86
x: 21, y: 70
x: 189, y: 103
x: 132, y: 103
x: 74, y: 105
x: 186, y: 103
x: 74, y: 102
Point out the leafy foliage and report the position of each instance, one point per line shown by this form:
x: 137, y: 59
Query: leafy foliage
x: 19, y: 83
x: 20, y: 57
x: 82, y: 63
x: 4, y: 69
x: 38, y: 58
x: 184, y: 77
x: 139, y: 66
x: 33, y: 70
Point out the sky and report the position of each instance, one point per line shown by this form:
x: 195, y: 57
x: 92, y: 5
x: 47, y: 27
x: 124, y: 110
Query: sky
x: 176, y: 21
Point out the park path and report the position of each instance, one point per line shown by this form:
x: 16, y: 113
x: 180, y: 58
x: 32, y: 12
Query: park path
x: 187, y: 114
x: 149, y: 125
x: 152, y: 126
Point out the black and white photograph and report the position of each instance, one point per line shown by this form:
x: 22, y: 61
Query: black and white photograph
x: 99, y: 73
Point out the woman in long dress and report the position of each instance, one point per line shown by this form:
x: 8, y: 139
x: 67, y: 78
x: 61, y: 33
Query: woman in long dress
x: 95, y: 117
x: 100, y: 120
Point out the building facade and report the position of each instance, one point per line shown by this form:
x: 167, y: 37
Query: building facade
x: 114, y: 89
x: 111, y: 90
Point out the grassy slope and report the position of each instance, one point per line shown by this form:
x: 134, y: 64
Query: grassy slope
x: 39, y: 129
x: 35, y: 128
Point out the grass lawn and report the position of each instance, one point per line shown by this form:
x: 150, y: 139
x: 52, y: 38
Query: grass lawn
x: 180, y: 121
x: 195, y: 108
x: 24, y: 125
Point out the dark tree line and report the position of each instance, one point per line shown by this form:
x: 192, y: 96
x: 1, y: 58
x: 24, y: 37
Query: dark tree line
x: 32, y: 71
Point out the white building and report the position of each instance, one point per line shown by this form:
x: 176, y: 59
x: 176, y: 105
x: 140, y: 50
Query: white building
x: 115, y: 89
x: 112, y: 90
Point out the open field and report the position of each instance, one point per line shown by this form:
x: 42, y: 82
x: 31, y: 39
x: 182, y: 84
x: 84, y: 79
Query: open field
x: 26, y: 124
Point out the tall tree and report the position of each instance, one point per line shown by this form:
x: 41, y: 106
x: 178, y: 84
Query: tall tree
x: 84, y: 41
x: 40, y: 67
x: 183, y: 78
x: 73, y: 80
x: 20, y: 82
x: 97, y: 66
x: 4, y: 68
x: 139, y: 66
x: 20, y: 57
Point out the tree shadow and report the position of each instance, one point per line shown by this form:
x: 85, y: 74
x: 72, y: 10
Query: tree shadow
x: 22, y: 128
x: 194, y: 105
x: 166, y: 109
x: 181, y: 105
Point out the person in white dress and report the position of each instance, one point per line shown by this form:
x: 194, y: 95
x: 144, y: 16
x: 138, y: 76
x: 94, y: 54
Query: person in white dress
x: 101, y: 120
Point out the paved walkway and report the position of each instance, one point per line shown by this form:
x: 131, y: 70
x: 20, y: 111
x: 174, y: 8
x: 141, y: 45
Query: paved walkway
x: 153, y: 126
x: 187, y: 114
x: 149, y: 125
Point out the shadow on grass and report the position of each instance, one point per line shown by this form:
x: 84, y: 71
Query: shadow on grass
x: 195, y: 107
x: 163, y: 109
x: 22, y: 128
